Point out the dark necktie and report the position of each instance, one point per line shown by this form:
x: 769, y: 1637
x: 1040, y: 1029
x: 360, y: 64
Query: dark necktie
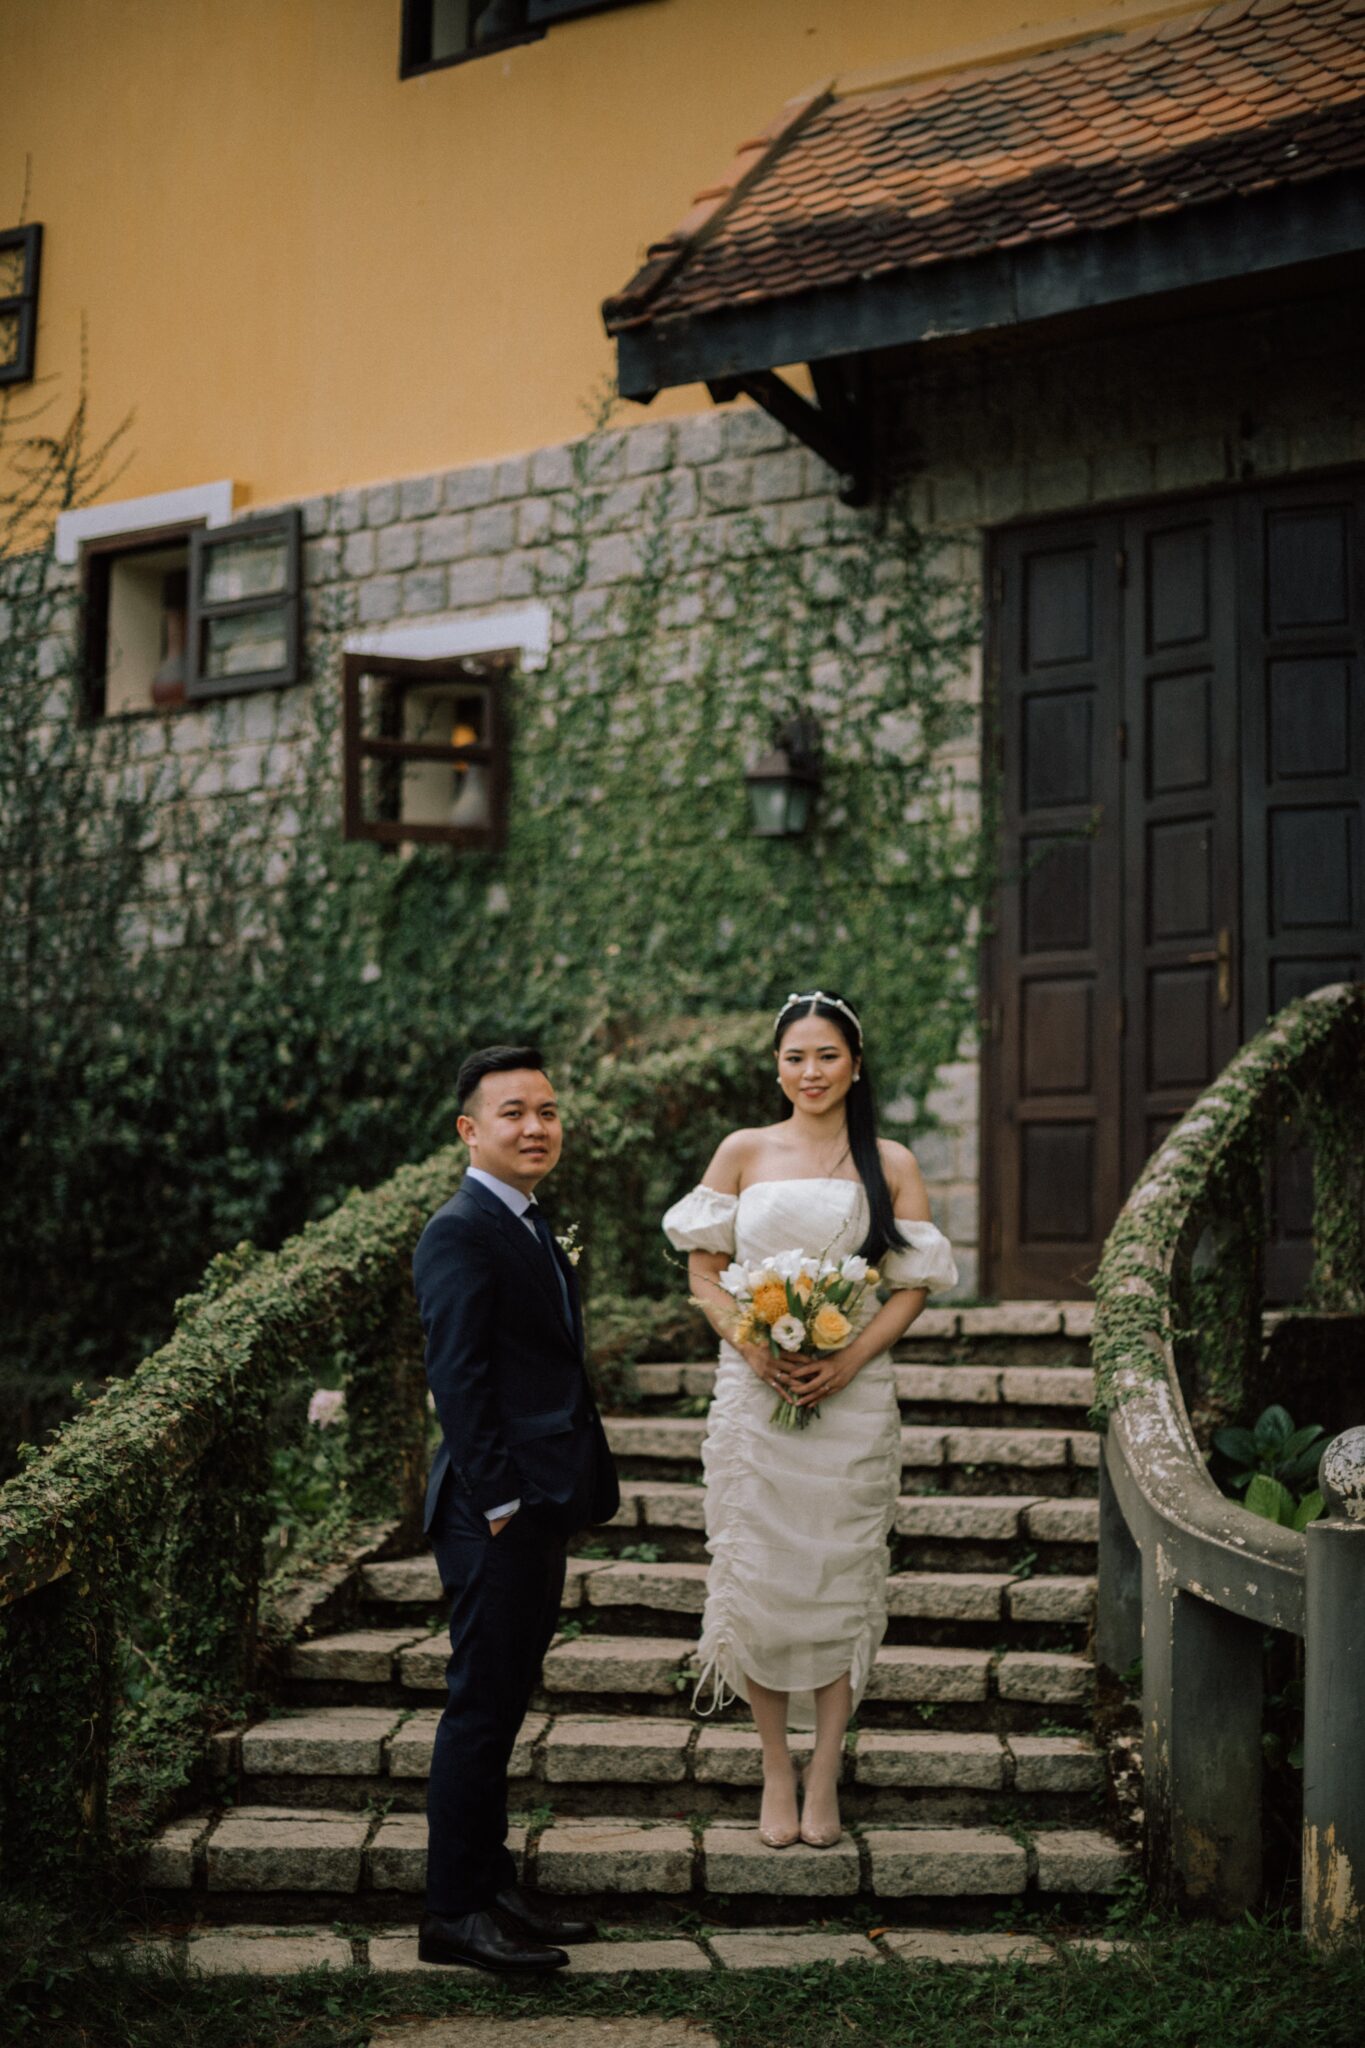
x: 535, y: 1216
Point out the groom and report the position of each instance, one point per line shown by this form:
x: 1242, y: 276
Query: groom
x: 523, y: 1464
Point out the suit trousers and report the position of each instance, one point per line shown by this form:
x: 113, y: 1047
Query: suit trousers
x: 505, y: 1593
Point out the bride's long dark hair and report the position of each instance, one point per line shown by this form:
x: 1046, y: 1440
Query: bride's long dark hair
x: 860, y: 1108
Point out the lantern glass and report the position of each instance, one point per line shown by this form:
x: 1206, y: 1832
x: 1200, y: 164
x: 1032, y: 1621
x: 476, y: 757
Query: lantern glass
x: 768, y: 809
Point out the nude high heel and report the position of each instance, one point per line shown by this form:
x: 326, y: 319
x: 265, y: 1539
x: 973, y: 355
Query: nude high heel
x: 773, y: 1840
x: 808, y: 1836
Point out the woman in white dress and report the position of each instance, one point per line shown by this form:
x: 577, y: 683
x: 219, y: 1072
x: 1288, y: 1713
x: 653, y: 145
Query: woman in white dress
x: 797, y: 1520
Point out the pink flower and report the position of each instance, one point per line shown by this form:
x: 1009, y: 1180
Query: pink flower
x: 327, y: 1406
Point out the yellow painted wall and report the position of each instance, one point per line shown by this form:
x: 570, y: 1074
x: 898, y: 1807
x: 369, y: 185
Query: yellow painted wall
x: 302, y: 273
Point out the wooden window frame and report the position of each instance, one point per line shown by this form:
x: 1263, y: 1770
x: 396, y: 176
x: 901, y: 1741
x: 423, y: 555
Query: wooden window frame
x: 98, y: 556
x: 201, y: 688
x: 23, y: 304
x: 540, y: 16
x: 483, y: 672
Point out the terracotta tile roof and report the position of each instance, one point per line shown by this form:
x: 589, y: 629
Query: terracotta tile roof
x: 858, y: 184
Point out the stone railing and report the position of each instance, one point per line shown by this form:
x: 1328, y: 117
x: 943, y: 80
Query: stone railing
x: 1190, y: 1580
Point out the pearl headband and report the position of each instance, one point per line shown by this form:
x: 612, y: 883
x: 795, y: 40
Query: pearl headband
x: 819, y: 996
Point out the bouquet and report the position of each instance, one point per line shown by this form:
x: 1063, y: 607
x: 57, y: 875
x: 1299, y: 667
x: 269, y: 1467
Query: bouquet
x: 799, y: 1306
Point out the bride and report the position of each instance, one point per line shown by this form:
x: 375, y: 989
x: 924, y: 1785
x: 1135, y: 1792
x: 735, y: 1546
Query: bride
x: 797, y: 1520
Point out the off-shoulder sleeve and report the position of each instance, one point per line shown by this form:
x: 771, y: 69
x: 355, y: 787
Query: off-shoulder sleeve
x: 703, y: 1221
x: 925, y: 1261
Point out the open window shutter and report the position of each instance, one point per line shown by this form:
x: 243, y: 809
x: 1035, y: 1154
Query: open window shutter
x: 540, y: 13
x: 244, y: 606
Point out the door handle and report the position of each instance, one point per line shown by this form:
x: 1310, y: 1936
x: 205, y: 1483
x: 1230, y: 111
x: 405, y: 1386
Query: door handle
x: 1222, y: 953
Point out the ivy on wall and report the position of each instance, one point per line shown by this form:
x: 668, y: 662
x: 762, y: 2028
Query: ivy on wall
x: 216, y: 1016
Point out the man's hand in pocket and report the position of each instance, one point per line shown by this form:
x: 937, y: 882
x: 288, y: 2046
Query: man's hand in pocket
x: 495, y: 1527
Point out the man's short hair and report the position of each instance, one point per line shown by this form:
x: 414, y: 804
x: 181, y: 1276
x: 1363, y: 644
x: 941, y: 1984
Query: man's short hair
x: 495, y: 1059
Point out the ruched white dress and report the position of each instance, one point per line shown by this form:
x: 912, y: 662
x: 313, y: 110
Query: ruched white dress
x: 797, y: 1520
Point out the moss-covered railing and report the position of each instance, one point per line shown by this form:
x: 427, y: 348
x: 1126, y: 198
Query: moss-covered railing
x: 156, y: 1494
x: 1190, y: 1579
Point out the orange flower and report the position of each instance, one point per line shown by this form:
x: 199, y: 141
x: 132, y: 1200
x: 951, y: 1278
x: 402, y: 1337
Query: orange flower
x: 830, y: 1329
x: 770, y: 1299
x: 804, y: 1285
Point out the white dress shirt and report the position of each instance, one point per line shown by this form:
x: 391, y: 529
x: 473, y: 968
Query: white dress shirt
x: 518, y: 1203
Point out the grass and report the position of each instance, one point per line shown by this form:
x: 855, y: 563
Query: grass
x: 1179, y: 1987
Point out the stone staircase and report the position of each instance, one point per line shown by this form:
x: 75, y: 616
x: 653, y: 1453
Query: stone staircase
x: 971, y: 1783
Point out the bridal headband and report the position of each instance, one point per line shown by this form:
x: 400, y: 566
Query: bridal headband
x: 819, y: 996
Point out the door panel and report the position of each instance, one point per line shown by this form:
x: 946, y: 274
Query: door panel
x: 1055, y: 1145
x: 1179, y: 713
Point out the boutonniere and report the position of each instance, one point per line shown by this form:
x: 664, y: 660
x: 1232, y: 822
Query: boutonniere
x: 569, y: 1244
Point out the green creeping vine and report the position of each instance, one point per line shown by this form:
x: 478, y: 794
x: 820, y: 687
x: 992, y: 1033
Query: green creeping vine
x: 1181, y: 1268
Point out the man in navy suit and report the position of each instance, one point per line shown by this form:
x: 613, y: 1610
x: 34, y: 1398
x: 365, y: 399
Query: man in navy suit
x: 523, y: 1464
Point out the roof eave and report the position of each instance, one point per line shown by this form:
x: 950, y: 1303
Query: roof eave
x: 1216, y: 243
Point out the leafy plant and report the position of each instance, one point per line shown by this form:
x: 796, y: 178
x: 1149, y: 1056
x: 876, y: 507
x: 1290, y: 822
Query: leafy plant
x: 1273, y: 1464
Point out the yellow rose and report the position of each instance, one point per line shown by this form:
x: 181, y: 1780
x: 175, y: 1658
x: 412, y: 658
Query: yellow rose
x: 830, y: 1329
x: 770, y: 1299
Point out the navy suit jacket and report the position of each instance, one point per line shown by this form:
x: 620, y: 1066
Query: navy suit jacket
x: 507, y: 1372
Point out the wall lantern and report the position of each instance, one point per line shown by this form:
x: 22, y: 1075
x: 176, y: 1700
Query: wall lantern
x: 782, y: 783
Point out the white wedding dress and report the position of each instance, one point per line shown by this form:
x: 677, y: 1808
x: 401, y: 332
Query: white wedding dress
x: 797, y: 1520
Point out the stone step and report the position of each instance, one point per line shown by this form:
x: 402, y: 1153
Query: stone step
x: 283, y: 1850
x: 394, y: 1744
x: 677, y: 1440
x: 680, y: 1588
x: 662, y: 1667
x: 940, y: 1385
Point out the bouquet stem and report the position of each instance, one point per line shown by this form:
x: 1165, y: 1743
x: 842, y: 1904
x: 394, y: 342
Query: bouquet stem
x: 788, y: 1415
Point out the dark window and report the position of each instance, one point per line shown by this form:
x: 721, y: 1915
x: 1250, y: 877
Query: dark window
x: 425, y: 750
x: 190, y: 612
x: 438, y: 32
x: 20, y: 252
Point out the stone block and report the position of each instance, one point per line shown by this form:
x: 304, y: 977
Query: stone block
x: 922, y: 1447
x: 1013, y: 1319
x: 937, y: 1323
x: 414, y: 1579
x: 911, y: 1672
x: 976, y: 1386
x: 258, y: 1952
x: 1085, y: 1450
x: 672, y: 1588
x: 286, y: 1849
x: 945, y: 1862
x: 1079, y: 1318
x: 661, y: 1506
x: 970, y: 1951
x: 647, y: 1436
x: 380, y: 599
x: 395, y: 1955
x: 946, y: 1761
x: 1051, y: 1599
x: 408, y: 1751
x: 381, y: 504
x: 396, y: 547
x: 422, y: 1667
x: 782, y: 1948
x: 614, y: 1856
x: 1055, y: 1763
x: 322, y: 559
x: 348, y: 511
x: 1080, y: 1860
x: 615, y: 1958
x: 475, y: 581
x: 420, y: 496
x: 552, y: 469
x: 467, y: 488
x: 727, y: 486
x: 1062, y: 1521
x: 620, y: 1751
x: 445, y: 538
x: 358, y: 553
x: 659, y: 1382
x: 363, y: 1656
x: 424, y: 590
x: 613, y: 558
x: 649, y: 448
x: 396, y: 1860
x: 331, y: 1742
x: 1043, y: 1676
x: 535, y: 521
x: 628, y: 1664
x: 315, y: 513
x: 779, y: 475
x: 749, y: 430
x: 734, y: 1756
x: 947, y: 1596
x: 169, y: 1861
x: 1048, y: 1386
x: 966, y: 1518
x: 513, y: 477
x: 492, y: 529
x: 698, y: 1380
x: 1027, y: 1450
x: 738, y: 1861
x: 700, y: 437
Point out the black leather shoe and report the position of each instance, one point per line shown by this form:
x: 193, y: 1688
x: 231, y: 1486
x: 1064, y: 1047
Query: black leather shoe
x: 540, y: 1920
x: 483, y: 1940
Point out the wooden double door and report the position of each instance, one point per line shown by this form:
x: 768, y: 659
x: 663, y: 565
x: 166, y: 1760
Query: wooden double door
x: 1178, y: 720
